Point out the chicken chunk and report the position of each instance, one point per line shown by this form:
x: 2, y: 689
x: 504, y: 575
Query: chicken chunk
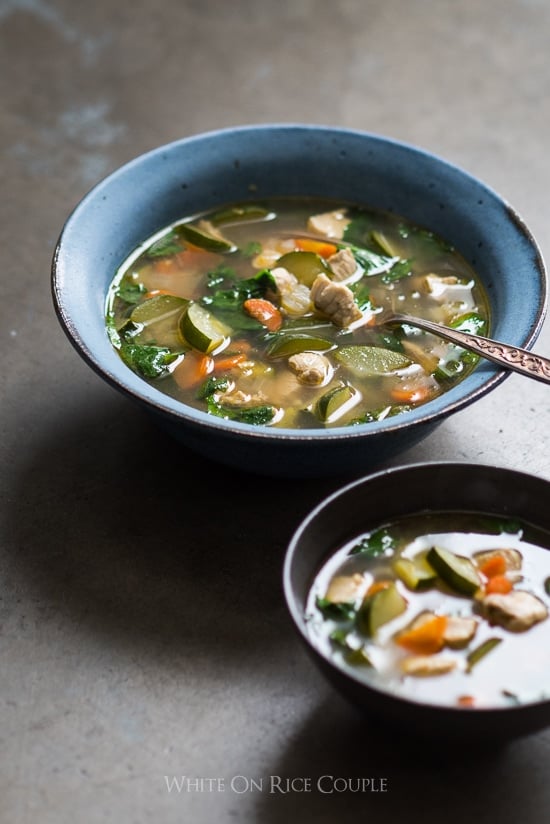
x: 345, y: 589
x: 449, y: 289
x: 335, y: 300
x: 271, y: 251
x: 516, y: 611
x: 294, y: 296
x: 284, y: 279
x: 311, y: 368
x: 421, y: 666
x: 331, y: 224
x: 459, y: 631
x: 342, y: 264
x: 240, y: 399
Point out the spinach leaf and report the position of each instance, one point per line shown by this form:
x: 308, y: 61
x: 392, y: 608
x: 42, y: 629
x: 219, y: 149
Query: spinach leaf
x: 425, y: 238
x: 255, y: 415
x: 220, y: 275
x: 372, y: 262
x: 237, y: 319
x: 401, y: 269
x: 212, y: 385
x: 358, y: 229
x: 356, y: 656
x: 129, y: 291
x: 164, y: 246
x: 239, y: 290
x: 253, y: 248
x: 147, y: 361
x: 471, y: 322
x: 339, y: 612
x: 374, y: 545
x: 389, y: 340
x: 361, y: 296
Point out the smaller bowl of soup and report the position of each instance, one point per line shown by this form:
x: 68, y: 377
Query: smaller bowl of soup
x: 235, y: 285
x: 423, y: 595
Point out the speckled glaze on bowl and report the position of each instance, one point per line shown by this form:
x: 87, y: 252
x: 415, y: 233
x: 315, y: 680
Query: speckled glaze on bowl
x: 253, y: 162
x: 381, y: 498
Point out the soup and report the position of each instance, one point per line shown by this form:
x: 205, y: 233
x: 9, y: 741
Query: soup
x: 272, y: 313
x: 447, y: 609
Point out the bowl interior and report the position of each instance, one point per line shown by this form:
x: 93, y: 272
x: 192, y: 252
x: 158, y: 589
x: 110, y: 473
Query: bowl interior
x: 379, y: 499
x: 248, y: 163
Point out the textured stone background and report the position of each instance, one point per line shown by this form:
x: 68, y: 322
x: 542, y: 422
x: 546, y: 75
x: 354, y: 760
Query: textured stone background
x: 134, y: 650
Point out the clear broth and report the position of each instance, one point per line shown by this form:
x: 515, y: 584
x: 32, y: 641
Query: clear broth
x: 242, y: 379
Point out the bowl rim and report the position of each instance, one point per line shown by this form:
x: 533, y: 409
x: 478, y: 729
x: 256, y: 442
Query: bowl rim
x: 297, y: 615
x: 139, y: 390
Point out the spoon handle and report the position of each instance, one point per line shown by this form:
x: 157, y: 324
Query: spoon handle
x: 510, y: 357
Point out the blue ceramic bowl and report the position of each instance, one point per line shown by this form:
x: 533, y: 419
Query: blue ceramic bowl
x: 379, y: 499
x: 251, y: 162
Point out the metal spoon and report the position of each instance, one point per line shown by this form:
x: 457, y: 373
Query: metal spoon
x: 510, y: 357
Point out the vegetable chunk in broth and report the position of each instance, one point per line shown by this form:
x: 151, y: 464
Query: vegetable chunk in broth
x: 448, y: 609
x: 270, y: 314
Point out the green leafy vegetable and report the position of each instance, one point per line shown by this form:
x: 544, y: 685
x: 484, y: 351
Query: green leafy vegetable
x: 374, y: 545
x: 237, y: 291
x: 129, y: 291
x: 425, y: 237
x: 339, y: 637
x: 389, y: 339
x: 457, y: 357
x: 254, y: 415
x: 213, y: 385
x: 148, y: 361
x: 221, y: 275
x: 471, y: 322
x: 358, y: 230
x: 167, y: 245
x: 253, y: 248
x: 401, y: 269
x: 356, y: 656
x: 372, y: 262
x: 338, y: 611
x: 362, y: 297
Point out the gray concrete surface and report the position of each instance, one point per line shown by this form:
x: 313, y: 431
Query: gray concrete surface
x: 132, y: 650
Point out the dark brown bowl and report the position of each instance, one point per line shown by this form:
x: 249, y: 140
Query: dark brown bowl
x: 378, y: 499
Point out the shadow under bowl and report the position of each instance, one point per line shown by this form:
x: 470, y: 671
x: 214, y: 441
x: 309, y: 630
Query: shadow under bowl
x: 380, y: 499
x: 247, y: 163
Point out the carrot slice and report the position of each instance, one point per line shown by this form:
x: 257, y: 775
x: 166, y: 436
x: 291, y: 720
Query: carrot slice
x: 416, y: 394
x: 377, y: 586
x: 426, y: 639
x: 265, y: 312
x: 495, y: 565
x: 193, y: 369
x: 320, y: 247
x: 166, y: 266
x: 499, y: 584
x: 224, y: 364
x: 466, y: 701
